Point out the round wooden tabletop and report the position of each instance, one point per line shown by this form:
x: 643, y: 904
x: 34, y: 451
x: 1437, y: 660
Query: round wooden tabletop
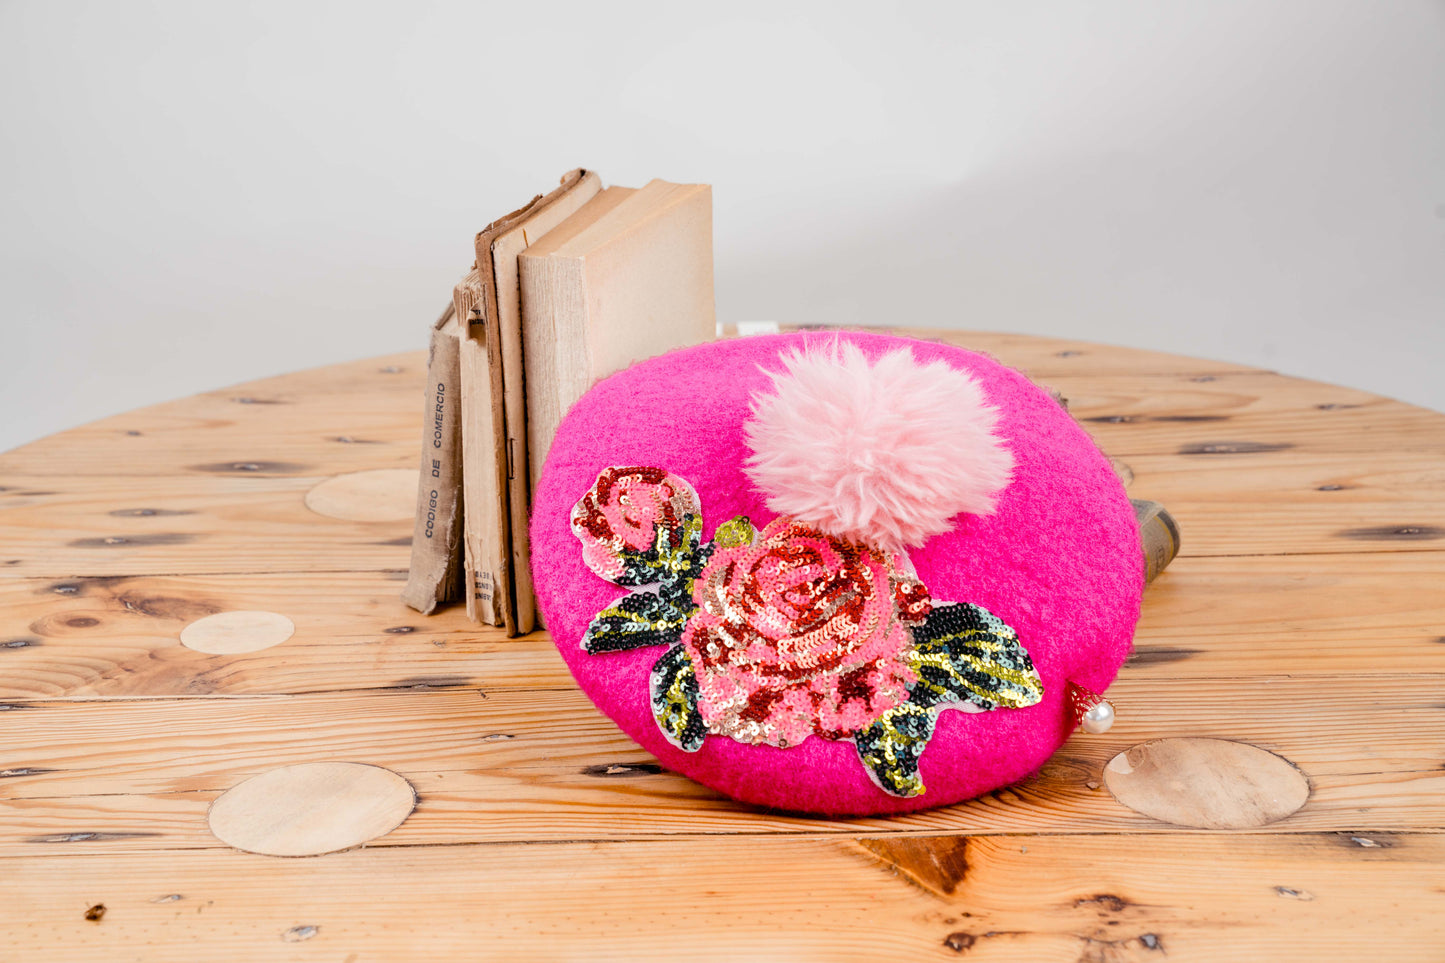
x: 205, y: 669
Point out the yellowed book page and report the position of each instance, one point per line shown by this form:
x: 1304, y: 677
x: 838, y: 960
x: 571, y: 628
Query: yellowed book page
x: 635, y: 282
x: 618, y: 219
x: 649, y: 290
x: 654, y: 251
x: 486, y: 522
x: 541, y: 330
x: 491, y: 586
x: 482, y: 483
x: 566, y: 277
x: 601, y: 205
x: 467, y: 298
x: 503, y: 252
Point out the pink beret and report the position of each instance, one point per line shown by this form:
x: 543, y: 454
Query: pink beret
x: 839, y: 657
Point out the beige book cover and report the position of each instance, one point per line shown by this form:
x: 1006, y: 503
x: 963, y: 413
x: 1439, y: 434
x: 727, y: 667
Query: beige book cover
x: 481, y: 550
x: 436, y: 572
x: 500, y: 248
x: 629, y: 280
x: 632, y: 277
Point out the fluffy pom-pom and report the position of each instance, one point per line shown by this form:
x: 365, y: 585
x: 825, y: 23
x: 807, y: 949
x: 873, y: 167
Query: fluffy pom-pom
x: 885, y: 454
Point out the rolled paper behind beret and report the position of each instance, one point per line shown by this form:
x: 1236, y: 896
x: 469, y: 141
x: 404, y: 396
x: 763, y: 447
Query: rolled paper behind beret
x: 1057, y: 566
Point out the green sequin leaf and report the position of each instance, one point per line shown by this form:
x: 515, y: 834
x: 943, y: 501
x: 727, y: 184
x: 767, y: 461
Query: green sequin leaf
x: 676, y: 557
x: 892, y: 745
x: 634, y: 621
x: 674, y: 700
x: 965, y: 654
x: 735, y: 532
x: 653, y: 617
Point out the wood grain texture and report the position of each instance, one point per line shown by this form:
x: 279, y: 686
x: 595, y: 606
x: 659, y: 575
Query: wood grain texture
x: 349, y: 417
x: 121, y: 637
x: 1182, y: 413
x: 545, y: 765
x: 378, y: 495
x: 1304, y: 617
x: 1297, y: 502
x: 240, y: 517
x: 1206, y: 617
x: 1298, y: 615
x: 1080, y: 899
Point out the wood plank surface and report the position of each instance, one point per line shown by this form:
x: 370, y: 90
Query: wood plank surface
x: 366, y: 414
x: 121, y: 637
x: 1267, y: 615
x: 1195, y: 414
x: 1284, y: 502
x: 544, y: 764
x: 1289, y: 503
x: 1081, y: 899
x: 233, y: 520
x: 1305, y: 616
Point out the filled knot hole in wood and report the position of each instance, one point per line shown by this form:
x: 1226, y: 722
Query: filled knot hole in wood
x: 311, y: 809
x: 234, y: 633
x: 379, y: 495
x: 1207, y: 783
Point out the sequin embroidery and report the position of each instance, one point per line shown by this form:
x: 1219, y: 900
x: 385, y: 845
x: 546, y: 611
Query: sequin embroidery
x: 796, y: 634
x: 780, y: 634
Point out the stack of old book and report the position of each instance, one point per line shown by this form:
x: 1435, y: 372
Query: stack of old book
x: 566, y: 290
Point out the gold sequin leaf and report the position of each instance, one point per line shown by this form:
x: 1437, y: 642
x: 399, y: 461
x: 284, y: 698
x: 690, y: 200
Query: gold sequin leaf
x: 674, y: 690
x: 965, y: 654
x: 890, y: 748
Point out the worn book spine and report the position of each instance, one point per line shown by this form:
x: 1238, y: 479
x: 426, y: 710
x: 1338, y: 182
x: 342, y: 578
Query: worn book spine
x: 500, y: 249
x: 436, y: 545
x: 485, y: 603
x: 507, y: 393
x: 484, y: 500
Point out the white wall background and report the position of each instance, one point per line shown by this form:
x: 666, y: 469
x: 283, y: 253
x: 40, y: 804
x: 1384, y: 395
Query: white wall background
x: 194, y: 194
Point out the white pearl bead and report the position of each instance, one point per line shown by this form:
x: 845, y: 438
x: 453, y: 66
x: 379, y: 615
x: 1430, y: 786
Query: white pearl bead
x: 1099, y: 718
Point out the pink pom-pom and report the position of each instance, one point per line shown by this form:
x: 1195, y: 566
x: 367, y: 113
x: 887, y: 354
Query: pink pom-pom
x: 884, y: 454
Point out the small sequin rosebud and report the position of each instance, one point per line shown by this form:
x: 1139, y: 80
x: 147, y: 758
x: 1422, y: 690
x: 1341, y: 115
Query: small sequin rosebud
x: 625, y: 510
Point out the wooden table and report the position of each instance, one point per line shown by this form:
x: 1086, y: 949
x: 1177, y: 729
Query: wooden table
x: 1306, y: 616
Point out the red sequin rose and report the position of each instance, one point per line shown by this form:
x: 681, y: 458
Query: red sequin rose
x: 798, y: 634
x: 623, y: 511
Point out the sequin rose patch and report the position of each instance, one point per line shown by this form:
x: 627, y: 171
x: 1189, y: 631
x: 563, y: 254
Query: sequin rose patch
x: 778, y: 634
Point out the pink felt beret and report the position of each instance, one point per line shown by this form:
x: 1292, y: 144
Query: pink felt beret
x: 783, y: 658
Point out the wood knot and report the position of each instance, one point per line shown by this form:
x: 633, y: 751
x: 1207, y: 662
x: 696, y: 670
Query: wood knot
x: 1233, y: 448
x: 937, y: 864
x: 624, y: 770
x: 960, y: 942
x: 1107, y: 902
